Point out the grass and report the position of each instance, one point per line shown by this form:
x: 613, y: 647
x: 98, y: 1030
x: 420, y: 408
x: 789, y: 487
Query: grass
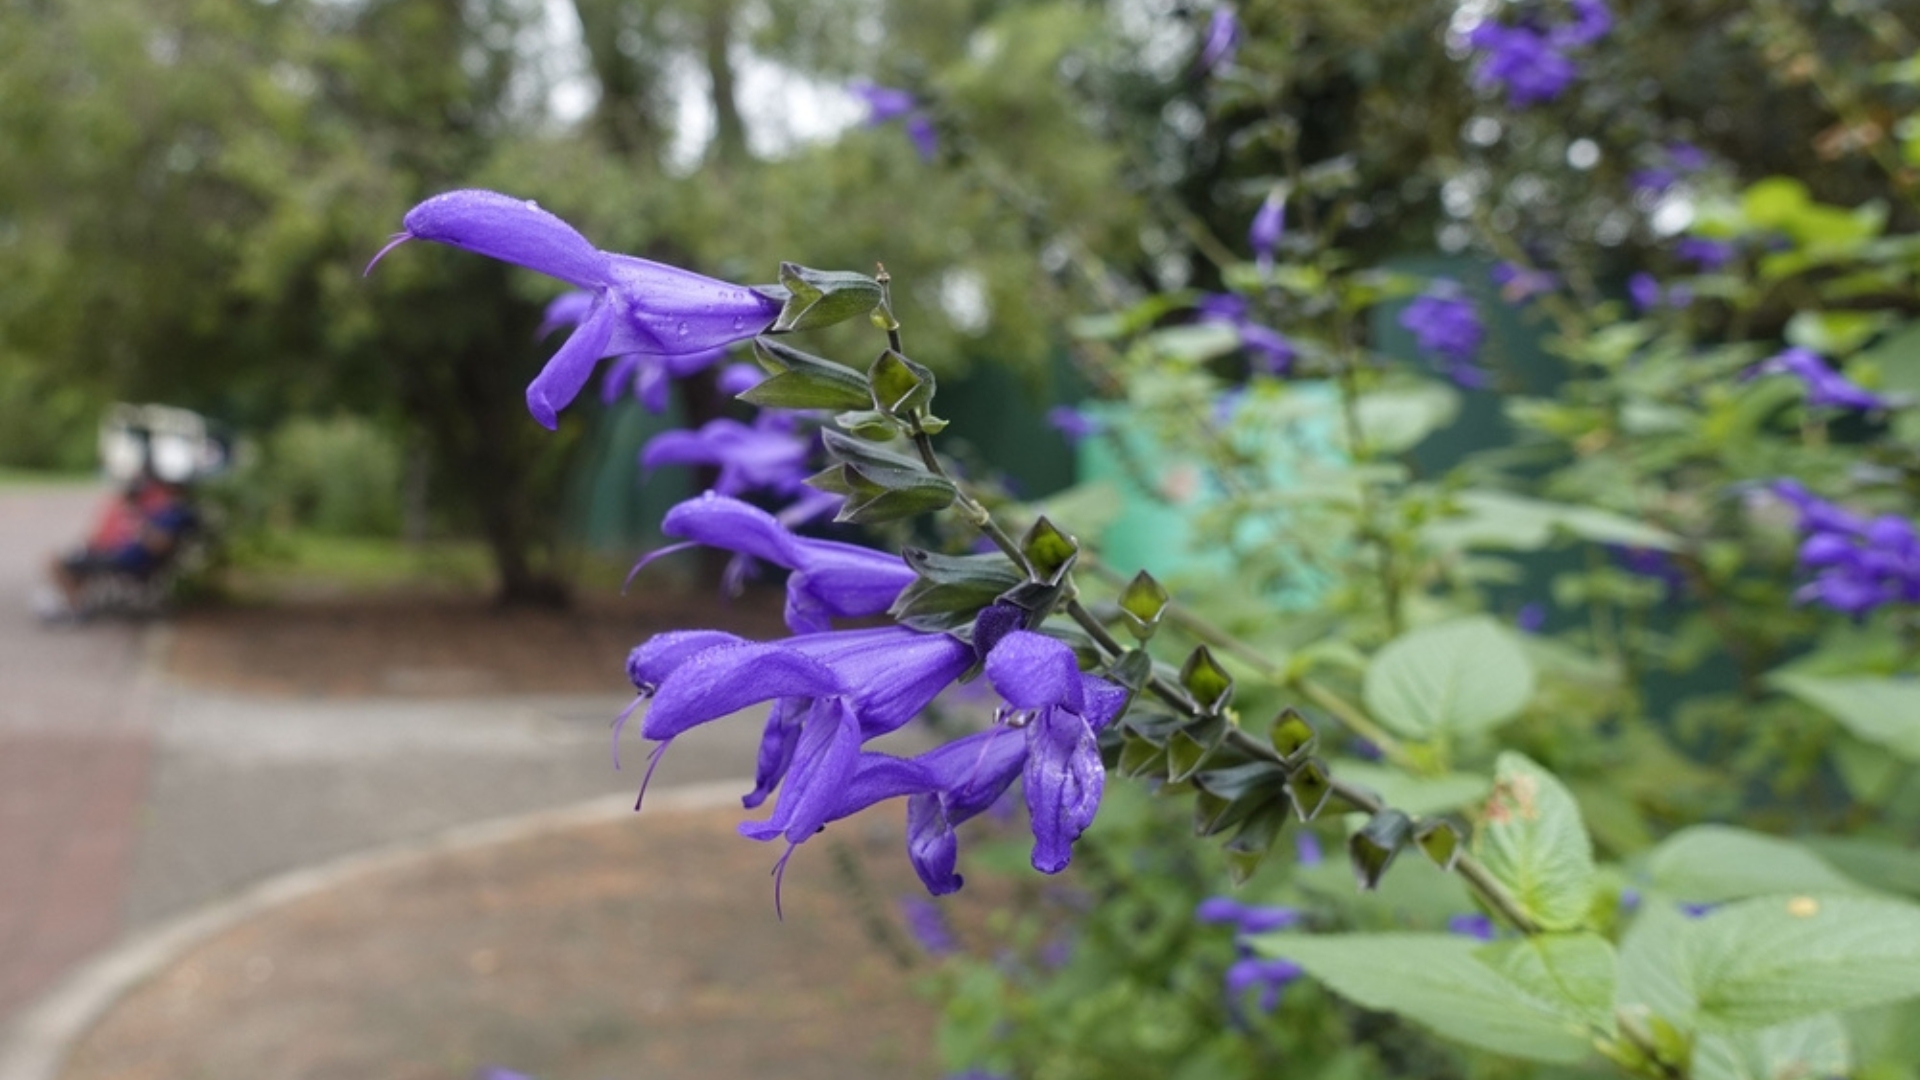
x: 305, y: 561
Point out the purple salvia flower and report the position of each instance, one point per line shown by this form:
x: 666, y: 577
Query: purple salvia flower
x: 1446, y: 325
x: 1704, y: 253
x: 1223, y: 39
x: 1271, y: 351
x: 884, y: 103
x: 639, y: 306
x: 1269, y: 224
x: 1686, y: 157
x: 570, y: 308
x: 1857, y: 565
x: 829, y: 579
x: 1473, y: 926
x: 1073, y: 424
x: 1591, y: 22
x: 1245, y: 918
x: 1825, y: 387
x: 650, y: 378
x: 1048, y: 740
x: 927, y: 922
x: 1520, y: 283
x: 737, y: 379
x: 1644, y: 289
x: 1522, y: 60
x: 1531, y: 618
x: 1653, y: 182
x: 923, y: 136
x: 1271, y: 976
x: 1306, y: 848
x: 768, y: 455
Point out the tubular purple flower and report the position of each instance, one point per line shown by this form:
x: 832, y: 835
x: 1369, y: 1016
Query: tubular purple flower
x: 1271, y: 976
x: 1704, y: 253
x: 638, y: 306
x: 1049, y: 740
x: 1591, y: 22
x: 766, y: 456
x: 1269, y: 224
x: 921, y: 133
x: 883, y: 103
x: 1473, y: 926
x: 1223, y: 39
x: 1522, y: 60
x: 829, y: 579
x: 1445, y: 323
x: 1520, y: 283
x: 1072, y: 424
x: 567, y: 309
x: 1825, y: 386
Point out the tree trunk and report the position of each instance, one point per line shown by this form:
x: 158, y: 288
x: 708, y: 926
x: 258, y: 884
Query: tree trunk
x: 729, y: 132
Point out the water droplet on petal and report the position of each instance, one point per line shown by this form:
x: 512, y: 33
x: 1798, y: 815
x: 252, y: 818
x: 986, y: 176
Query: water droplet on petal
x: 683, y: 329
x: 739, y: 321
x: 532, y: 205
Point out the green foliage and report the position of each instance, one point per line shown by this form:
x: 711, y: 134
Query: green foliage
x: 1452, y: 679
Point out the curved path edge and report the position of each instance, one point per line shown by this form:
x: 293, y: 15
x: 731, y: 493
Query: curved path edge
x: 36, y: 1047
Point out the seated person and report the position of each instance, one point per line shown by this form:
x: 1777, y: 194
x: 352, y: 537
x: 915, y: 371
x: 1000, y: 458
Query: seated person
x: 134, y: 535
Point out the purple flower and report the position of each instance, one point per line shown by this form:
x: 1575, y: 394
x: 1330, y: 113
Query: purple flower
x: 1073, y: 424
x: 1271, y: 351
x: 1686, y: 157
x: 1306, y: 848
x: 1704, y: 253
x: 1644, y: 288
x: 1591, y: 22
x: 1048, y: 739
x: 927, y: 922
x: 828, y: 579
x: 1519, y: 283
x: 570, y: 308
x: 737, y: 379
x: 887, y: 103
x: 1856, y: 564
x: 768, y: 455
x: 1473, y: 926
x: 1531, y: 618
x: 1245, y: 918
x: 1269, y: 224
x: 1223, y: 39
x: 1825, y: 387
x: 1523, y: 60
x: 649, y: 378
x: 921, y: 133
x: 1269, y: 976
x: 638, y: 306
x: 1653, y: 181
x: 1445, y: 324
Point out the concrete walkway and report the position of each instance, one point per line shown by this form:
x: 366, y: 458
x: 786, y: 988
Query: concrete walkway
x: 126, y: 801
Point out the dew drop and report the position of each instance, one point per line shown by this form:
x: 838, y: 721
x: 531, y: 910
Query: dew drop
x: 683, y: 329
x: 532, y: 205
x: 739, y: 321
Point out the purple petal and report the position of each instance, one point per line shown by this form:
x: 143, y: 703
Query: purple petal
x: 883, y: 103
x: 777, y: 743
x: 666, y: 311
x: 1034, y: 671
x: 619, y: 379
x: 920, y: 132
x: 661, y: 655
x: 560, y: 381
x: 570, y: 308
x: 725, y: 679
x: 932, y: 845
x: 1063, y: 780
x: 823, y: 762
x: 511, y: 230
x: 893, y: 672
x: 1218, y: 911
x: 1269, y: 224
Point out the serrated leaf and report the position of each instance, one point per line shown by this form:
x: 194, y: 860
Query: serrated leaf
x: 1574, y: 973
x: 1885, y: 712
x: 1435, y: 980
x: 1712, y: 863
x: 1459, y: 676
x: 1771, y: 960
x: 1532, y: 841
x: 1803, y: 1050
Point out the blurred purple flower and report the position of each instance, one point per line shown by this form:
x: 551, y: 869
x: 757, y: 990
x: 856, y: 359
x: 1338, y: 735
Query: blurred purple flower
x: 1073, y: 424
x: 1269, y: 224
x: 927, y: 922
x: 1245, y: 918
x: 1856, y: 564
x: 1446, y: 325
x: 737, y: 379
x: 1270, y: 350
x: 638, y: 306
x: 887, y: 103
x: 1223, y: 39
x: 920, y: 132
x: 1826, y: 388
x: 1473, y: 926
x: 768, y: 455
x: 1704, y: 253
x: 1653, y: 181
x: 1520, y: 283
x: 1306, y: 848
x: 1531, y: 618
x: 1270, y: 976
x: 1591, y: 22
x: 1522, y: 60
x: 1686, y: 157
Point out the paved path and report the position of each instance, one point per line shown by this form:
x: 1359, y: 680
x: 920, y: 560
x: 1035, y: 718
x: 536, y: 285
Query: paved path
x: 126, y: 800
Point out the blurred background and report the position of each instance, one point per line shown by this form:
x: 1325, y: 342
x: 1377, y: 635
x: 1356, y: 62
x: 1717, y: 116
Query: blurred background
x: 404, y: 611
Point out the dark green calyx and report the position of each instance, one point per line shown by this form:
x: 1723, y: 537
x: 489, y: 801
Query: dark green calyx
x: 1142, y: 604
x: 1292, y: 737
x: 1440, y: 841
x: 1309, y: 787
x: 900, y: 386
x: 817, y: 298
x: 803, y: 381
x: 1372, y: 848
x: 1049, y: 551
x: 1207, y: 681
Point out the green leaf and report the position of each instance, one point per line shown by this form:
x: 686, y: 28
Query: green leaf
x: 900, y: 386
x: 1206, y: 680
x: 1498, y: 519
x: 1532, y: 841
x: 1712, y: 863
x: 1574, y: 973
x: 1415, y: 794
x: 1882, y: 711
x: 1435, y: 980
x: 951, y: 589
x: 1654, y: 980
x: 1879, y: 864
x: 1802, y: 1050
x: 1775, y: 959
x: 871, y: 456
x: 1835, y: 333
x: 819, y: 298
x: 1454, y: 677
x: 803, y: 381
x: 1399, y: 418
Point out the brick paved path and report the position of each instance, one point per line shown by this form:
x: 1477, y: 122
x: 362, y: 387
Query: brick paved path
x: 76, y: 749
